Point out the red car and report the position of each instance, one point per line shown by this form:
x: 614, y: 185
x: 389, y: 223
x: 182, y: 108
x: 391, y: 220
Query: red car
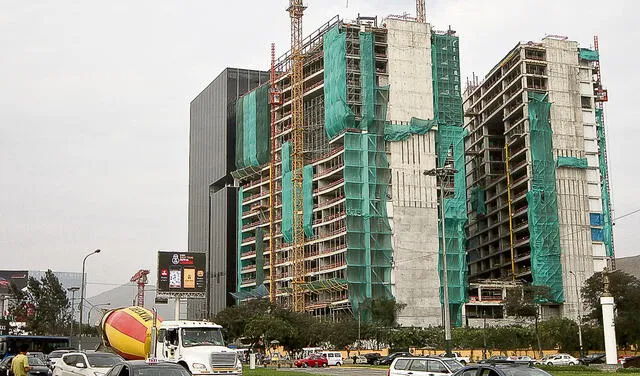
x: 313, y: 360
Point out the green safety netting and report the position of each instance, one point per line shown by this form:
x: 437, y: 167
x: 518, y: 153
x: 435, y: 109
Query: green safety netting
x: 604, y: 184
x: 572, y: 162
x: 400, y: 132
x: 445, y: 57
x: 253, y: 128
x: 366, y: 179
x: 338, y: 115
x: 307, y: 194
x: 259, y: 256
x: 258, y: 292
x: 286, y: 157
x: 287, y: 207
x: 477, y: 199
x: 450, y: 142
x: 589, y: 55
x: 542, y: 199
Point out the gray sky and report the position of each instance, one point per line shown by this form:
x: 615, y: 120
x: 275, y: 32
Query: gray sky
x: 94, y: 109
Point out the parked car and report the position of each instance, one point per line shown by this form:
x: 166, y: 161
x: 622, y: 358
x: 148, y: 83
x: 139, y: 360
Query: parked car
x: 386, y: 360
x: 54, y: 356
x: 86, y: 364
x: 423, y: 366
x: 333, y: 357
x: 593, y: 359
x: 38, y: 366
x: 501, y: 368
x: 372, y: 357
x: 142, y: 368
x: 38, y: 354
x: 493, y: 358
x: 632, y: 362
x: 313, y: 360
x: 457, y: 356
x: 561, y: 360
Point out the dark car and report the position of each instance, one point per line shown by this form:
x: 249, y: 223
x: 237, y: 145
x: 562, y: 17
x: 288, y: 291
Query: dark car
x: 143, y: 368
x: 504, y: 368
x: 632, y: 362
x: 386, y: 360
x: 593, y: 359
x: 38, y: 366
x: 494, y: 358
x: 372, y: 357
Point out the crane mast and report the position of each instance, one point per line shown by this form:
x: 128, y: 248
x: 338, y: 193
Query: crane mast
x: 296, y: 10
x: 420, y: 11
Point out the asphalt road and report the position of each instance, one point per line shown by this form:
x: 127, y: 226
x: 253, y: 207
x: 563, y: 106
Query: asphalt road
x: 341, y: 371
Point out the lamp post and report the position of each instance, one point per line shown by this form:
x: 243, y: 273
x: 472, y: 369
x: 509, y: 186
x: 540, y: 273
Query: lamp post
x: 575, y: 279
x: 82, y: 298
x: 73, y: 307
x: 442, y: 173
x: 91, y: 310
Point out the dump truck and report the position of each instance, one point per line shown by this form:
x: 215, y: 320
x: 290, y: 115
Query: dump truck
x: 136, y: 333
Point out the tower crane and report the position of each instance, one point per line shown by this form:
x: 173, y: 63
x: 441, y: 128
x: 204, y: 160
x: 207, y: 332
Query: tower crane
x: 141, y: 280
x: 420, y: 11
x: 296, y: 11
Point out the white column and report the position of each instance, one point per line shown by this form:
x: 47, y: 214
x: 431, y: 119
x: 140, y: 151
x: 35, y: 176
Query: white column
x: 177, y: 309
x: 609, y: 329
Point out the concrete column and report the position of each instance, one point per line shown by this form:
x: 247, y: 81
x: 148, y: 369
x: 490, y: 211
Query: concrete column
x: 609, y: 329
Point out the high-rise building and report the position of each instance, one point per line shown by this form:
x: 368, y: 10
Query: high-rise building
x: 372, y: 96
x: 212, y: 195
x: 539, y: 207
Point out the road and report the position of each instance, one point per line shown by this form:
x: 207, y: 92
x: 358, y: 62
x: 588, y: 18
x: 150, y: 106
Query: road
x: 341, y: 371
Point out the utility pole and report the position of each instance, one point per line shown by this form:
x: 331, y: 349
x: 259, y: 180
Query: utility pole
x: 442, y: 173
x: 73, y: 307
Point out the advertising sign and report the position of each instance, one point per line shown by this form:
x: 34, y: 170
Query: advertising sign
x: 17, y: 277
x: 181, y: 272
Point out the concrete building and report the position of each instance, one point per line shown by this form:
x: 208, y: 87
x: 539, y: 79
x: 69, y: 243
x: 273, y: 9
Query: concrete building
x: 539, y: 209
x: 371, y: 93
x: 212, y: 196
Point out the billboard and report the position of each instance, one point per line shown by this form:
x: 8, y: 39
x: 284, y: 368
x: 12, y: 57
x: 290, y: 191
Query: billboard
x: 17, y: 277
x: 182, y: 272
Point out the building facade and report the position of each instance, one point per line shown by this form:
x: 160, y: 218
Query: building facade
x: 212, y: 195
x: 539, y: 209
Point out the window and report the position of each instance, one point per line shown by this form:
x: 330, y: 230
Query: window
x: 436, y: 366
x: 595, y: 219
x: 586, y: 102
x: 401, y: 364
x: 470, y: 372
x: 418, y: 365
x: 103, y: 360
x: 597, y: 234
x: 115, y: 371
x: 72, y: 360
x: 489, y: 372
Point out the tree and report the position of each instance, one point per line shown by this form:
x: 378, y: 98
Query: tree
x: 524, y: 301
x: 43, y: 306
x: 384, y: 312
x: 625, y: 289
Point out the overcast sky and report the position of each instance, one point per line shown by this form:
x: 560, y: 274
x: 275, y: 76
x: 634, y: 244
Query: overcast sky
x: 94, y: 109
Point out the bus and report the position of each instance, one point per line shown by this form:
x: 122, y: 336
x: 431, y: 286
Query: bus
x: 9, y: 344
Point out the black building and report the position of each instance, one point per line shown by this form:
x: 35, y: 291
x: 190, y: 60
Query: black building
x: 212, y: 197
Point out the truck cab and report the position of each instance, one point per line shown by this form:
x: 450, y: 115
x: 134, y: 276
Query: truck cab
x: 198, y: 346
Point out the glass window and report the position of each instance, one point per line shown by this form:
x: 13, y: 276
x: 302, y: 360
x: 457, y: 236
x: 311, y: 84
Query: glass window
x: 597, y: 234
x: 161, y: 371
x: 401, y: 364
x: 453, y: 365
x: 33, y: 361
x: 114, y: 371
x: 489, y: 372
x: 103, y: 360
x: 436, y: 366
x: 595, y: 219
x: 470, y: 372
x: 71, y: 360
x: 418, y: 365
x: 202, y: 336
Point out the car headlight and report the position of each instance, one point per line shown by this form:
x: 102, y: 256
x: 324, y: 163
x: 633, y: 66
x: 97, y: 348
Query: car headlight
x: 198, y: 366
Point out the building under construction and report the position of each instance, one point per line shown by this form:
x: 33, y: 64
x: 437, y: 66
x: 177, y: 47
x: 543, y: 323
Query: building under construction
x: 355, y: 218
x: 537, y: 180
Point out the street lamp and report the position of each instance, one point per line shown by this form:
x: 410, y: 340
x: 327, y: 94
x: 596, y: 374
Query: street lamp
x: 73, y: 307
x: 91, y: 310
x: 82, y: 298
x: 442, y: 173
x: 575, y: 279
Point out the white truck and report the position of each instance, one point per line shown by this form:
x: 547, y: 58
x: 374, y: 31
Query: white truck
x: 196, y: 345
x: 464, y: 360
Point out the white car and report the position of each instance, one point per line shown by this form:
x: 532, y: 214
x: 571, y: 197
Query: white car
x: 85, y: 364
x: 423, y: 366
x: 561, y: 360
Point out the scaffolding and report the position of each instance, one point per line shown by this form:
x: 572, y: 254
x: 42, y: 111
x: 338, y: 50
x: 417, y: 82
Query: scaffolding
x: 445, y: 58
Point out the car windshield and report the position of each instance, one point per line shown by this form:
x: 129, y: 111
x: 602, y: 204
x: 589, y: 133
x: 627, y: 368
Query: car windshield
x: 161, y: 371
x: 523, y: 371
x: 57, y: 354
x: 202, y: 336
x: 33, y: 361
x: 103, y: 360
x: 453, y: 365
